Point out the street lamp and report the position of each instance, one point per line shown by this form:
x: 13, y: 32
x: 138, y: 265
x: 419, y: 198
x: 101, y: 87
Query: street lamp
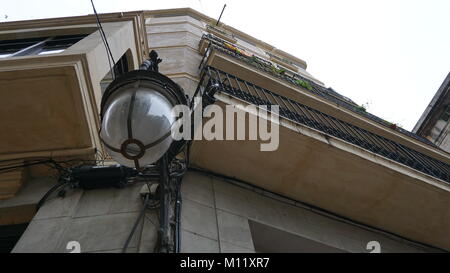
x: 136, y: 114
x: 137, y: 120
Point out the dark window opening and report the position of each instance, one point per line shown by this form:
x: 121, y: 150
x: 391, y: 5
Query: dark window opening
x: 267, y: 239
x: 10, y: 235
x: 120, y: 68
x: 38, y: 46
x: 446, y: 114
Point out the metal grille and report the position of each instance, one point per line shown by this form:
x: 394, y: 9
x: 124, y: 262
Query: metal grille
x: 326, y: 93
x: 307, y: 116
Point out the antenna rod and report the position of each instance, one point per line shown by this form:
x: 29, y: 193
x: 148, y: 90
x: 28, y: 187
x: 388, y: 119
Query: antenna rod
x: 224, y: 6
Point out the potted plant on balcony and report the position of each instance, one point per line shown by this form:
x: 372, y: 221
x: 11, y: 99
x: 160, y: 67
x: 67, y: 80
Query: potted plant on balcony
x: 230, y: 47
x: 393, y: 126
x: 360, y: 108
x: 277, y: 71
x: 253, y: 60
x: 245, y: 53
x: 303, y: 84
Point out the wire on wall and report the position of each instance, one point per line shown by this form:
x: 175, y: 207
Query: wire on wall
x: 105, y: 42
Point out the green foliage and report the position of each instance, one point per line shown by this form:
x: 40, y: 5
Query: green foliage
x: 280, y: 71
x: 303, y: 84
x: 255, y: 60
x: 392, y: 125
x: 360, y: 108
x: 387, y: 123
x: 277, y: 70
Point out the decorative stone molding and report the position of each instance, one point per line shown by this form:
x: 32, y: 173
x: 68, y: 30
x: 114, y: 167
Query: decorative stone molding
x: 215, y: 30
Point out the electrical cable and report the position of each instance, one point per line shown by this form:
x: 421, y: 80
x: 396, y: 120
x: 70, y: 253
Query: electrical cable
x: 178, y: 198
x: 136, y: 223
x: 43, y: 160
x: 105, y: 42
x: 49, y: 162
x: 111, y: 68
x: 157, y: 246
x: 11, y: 168
x: 151, y: 221
x: 177, y: 169
x: 178, y: 202
x: 155, y: 201
x: 64, y: 172
x: 52, y: 189
x: 102, y: 33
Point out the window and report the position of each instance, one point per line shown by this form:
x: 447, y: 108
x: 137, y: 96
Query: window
x: 38, y: 46
x: 267, y: 239
x: 120, y: 68
x: 446, y: 114
x: 10, y: 235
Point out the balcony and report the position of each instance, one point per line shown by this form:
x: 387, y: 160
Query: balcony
x: 334, y: 165
x: 211, y: 44
x: 282, y: 61
x: 218, y: 32
x: 304, y: 115
x: 50, y: 90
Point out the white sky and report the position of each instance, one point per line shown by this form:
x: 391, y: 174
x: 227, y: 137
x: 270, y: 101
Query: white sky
x: 391, y: 54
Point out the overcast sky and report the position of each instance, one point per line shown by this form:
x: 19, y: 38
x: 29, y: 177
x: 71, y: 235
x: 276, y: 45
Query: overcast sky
x: 392, y: 54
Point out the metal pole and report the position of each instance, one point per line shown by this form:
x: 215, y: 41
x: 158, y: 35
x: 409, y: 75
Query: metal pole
x: 164, y: 192
x: 217, y: 23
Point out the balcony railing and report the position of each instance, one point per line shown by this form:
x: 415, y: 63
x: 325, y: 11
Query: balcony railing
x: 297, y: 80
x: 304, y: 115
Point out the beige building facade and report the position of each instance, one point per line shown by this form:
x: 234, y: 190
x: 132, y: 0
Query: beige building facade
x: 434, y: 123
x: 341, y: 179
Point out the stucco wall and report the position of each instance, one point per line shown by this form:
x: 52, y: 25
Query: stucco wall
x: 215, y: 217
x: 216, y: 214
x: 176, y: 41
x: 99, y: 220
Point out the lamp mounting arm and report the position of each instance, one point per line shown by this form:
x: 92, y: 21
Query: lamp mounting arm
x: 152, y: 63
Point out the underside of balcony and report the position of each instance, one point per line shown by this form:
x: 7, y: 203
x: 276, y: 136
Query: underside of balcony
x: 343, y: 175
x: 324, y: 172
